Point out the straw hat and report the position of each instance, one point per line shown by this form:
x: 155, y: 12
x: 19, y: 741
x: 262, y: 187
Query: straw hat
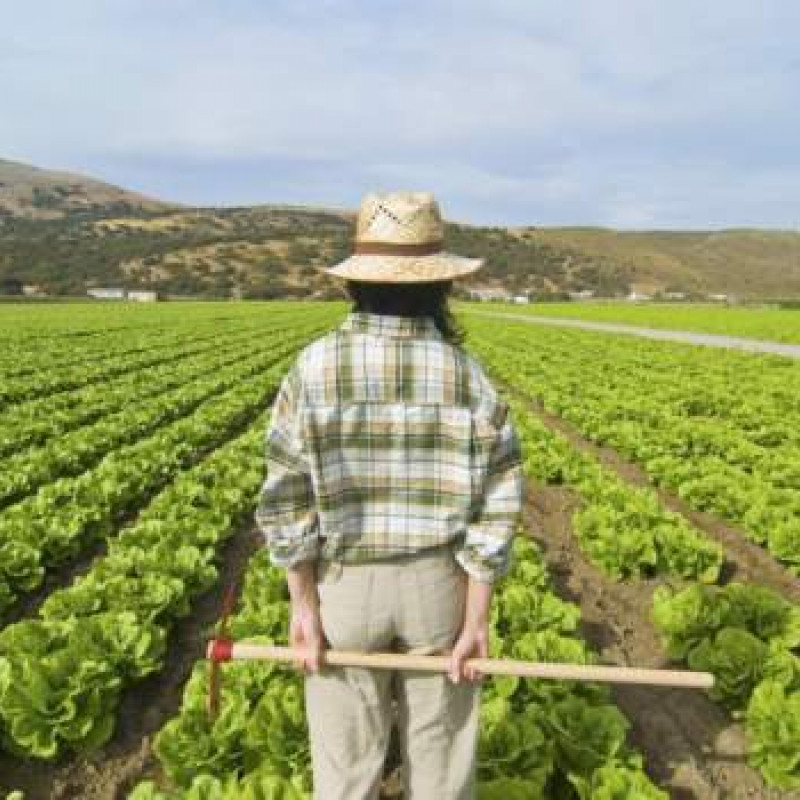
x: 399, y: 240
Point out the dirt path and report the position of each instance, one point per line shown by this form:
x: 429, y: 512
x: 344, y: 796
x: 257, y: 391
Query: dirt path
x: 691, y: 748
x: 745, y: 560
x: 111, y: 772
x: 688, y: 337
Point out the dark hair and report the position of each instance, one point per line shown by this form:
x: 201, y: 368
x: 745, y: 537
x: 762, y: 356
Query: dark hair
x: 408, y: 300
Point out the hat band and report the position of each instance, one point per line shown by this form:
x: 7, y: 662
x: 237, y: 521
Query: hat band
x: 390, y: 249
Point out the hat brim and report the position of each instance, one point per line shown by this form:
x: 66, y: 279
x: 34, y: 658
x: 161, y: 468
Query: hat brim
x: 405, y: 269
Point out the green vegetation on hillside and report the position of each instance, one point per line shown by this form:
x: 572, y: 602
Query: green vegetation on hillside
x: 67, y: 233
x: 260, y: 252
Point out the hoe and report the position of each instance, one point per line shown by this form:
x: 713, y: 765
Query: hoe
x: 222, y: 648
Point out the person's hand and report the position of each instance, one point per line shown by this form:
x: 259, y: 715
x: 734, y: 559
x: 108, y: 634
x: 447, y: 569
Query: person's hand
x: 306, y: 637
x: 472, y: 643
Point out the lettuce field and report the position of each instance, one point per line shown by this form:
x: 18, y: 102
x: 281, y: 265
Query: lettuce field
x: 661, y: 529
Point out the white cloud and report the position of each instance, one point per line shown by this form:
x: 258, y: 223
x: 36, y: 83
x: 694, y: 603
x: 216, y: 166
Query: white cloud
x: 528, y: 111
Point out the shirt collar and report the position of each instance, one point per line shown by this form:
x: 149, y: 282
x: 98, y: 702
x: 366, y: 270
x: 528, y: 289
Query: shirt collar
x: 385, y: 325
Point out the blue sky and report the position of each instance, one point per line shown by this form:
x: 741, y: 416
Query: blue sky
x: 625, y: 113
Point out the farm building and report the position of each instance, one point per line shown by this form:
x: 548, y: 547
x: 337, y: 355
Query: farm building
x: 490, y: 293
x: 135, y: 295
x: 106, y: 294
x: 638, y: 297
x: 143, y: 296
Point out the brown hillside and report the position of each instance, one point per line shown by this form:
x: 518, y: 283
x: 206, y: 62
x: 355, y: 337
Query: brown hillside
x: 27, y: 191
x: 67, y: 232
x: 746, y: 262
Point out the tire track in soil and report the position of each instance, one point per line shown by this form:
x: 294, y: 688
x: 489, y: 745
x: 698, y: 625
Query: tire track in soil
x: 112, y: 771
x: 691, y: 746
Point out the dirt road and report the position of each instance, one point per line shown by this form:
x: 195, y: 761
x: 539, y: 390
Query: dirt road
x: 689, y: 337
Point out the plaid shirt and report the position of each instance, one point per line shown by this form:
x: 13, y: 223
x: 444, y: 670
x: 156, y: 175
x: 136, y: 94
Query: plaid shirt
x: 386, y: 440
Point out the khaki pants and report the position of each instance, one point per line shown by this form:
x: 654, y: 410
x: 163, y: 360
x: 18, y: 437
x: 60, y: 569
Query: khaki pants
x: 415, y: 604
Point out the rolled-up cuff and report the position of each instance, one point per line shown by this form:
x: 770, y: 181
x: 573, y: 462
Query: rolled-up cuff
x: 289, y: 557
x: 481, y: 570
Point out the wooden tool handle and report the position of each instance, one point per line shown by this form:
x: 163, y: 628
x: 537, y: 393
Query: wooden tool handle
x: 489, y: 666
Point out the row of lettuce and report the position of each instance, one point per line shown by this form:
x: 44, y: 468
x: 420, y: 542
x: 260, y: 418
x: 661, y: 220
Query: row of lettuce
x: 49, y: 349
x: 30, y: 352
x: 746, y: 635
x: 124, y: 458
x: 71, y: 377
x: 67, y: 516
x: 36, y: 422
x: 62, y: 674
x: 74, y: 452
x: 85, y: 384
x: 720, y: 430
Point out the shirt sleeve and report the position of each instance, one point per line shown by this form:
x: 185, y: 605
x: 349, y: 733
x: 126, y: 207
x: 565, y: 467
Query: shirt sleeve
x: 486, y: 551
x: 286, y: 513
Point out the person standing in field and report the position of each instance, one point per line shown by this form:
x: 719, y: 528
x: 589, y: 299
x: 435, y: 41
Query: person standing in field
x: 393, y: 489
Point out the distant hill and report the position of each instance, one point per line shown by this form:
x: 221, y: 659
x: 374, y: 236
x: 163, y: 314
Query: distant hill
x: 67, y: 232
x: 744, y: 262
x: 34, y: 193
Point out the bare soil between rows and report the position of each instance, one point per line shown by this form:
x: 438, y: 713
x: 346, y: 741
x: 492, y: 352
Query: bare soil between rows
x: 692, y: 748
x: 745, y: 560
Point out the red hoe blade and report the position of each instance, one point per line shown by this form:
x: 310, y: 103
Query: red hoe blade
x: 220, y: 649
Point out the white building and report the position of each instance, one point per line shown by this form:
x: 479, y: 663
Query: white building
x: 142, y: 296
x: 489, y: 293
x: 106, y: 294
x: 636, y: 297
